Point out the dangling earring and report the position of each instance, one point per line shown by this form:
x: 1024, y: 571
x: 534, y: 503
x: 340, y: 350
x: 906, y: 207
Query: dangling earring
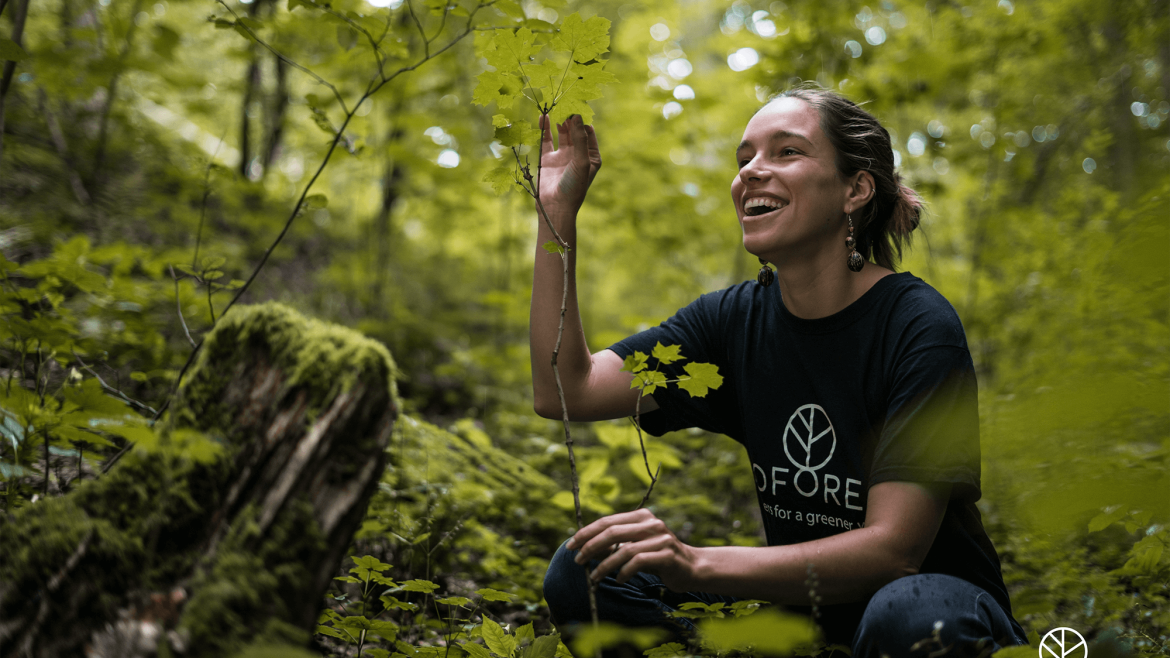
x: 766, y: 276
x: 855, y: 261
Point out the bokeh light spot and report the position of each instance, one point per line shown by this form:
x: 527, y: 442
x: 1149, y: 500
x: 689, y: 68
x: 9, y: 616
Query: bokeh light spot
x: 916, y: 145
x: 743, y: 59
x: 679, y: 68
x: 660, y: 32
x: 448, y: 159
x: 875, y: 35
x: 684, y: 93
x: 1089, y: 165
x: 853, y: 48
x: 671, y: 110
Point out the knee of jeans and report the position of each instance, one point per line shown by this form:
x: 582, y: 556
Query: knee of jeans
x: 564, y: 584
x: 903, y: 613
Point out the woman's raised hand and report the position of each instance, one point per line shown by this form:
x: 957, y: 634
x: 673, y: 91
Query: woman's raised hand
x: 567, y: 172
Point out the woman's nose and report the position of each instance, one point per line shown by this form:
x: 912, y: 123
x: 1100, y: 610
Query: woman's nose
x: 752, y: 171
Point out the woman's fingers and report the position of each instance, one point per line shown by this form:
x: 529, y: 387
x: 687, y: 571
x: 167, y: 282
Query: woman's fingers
x: 617, y: 529
x: 629, y: 559
x: 594, y: 152
x: 590, y: 531
x: 563, y: 139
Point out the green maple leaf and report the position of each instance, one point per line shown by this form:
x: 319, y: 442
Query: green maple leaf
x: 545, y: 77
x: 581, y: 85
x: 635, y: 362
x: 667, y: 354
x: 517, y: 134
x: 703, y: 377
x: 500, y: 121
x: 508, y: 50
x: 500, y: 178
x: 649, y: 381
x: 496, y: 87
x: 585, y: 40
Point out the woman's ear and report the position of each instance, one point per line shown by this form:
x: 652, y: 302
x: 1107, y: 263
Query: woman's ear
x: 860, y: 192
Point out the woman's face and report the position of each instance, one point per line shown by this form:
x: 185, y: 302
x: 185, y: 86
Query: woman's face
x: 788, y: 195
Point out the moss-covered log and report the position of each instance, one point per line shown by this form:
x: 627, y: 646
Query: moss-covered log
x: 228, y: 529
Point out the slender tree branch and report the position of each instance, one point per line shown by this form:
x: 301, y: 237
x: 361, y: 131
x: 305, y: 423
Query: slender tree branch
x: 421, y: 31
x: 179, y: 308
x: 637, y: 420
x: 142, y: 406
x: 564, y: 254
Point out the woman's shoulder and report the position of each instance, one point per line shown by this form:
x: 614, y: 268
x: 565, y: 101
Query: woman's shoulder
x: 920, y: 314
x: 727, y: 302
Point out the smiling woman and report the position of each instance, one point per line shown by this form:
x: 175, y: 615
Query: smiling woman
x: 850, y: 386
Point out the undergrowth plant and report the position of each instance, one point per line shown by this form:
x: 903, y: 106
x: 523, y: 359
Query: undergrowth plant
x: 460, y: 625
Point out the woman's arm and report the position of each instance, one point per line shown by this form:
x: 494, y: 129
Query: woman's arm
x: 594, y: 386
x: 901, y: 522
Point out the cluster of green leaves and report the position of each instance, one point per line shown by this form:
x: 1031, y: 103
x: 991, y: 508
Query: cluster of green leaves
x: 556, y: 89
x: 455, y: 633
x: 698, y: 380
x: 58, y: 416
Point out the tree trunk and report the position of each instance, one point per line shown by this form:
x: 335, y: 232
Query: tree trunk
x: 21, y: 13
x: 226, y: 528
x: 279, y: 109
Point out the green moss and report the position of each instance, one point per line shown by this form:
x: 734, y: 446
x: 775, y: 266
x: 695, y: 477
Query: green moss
x: 242, y: 596
x: 318, y: 358
x: 148, y: 520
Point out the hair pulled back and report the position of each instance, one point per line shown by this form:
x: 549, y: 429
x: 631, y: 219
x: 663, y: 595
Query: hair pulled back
x: 884, y: 224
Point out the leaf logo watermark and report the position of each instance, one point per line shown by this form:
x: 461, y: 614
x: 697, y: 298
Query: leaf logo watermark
x: 809, y: 438
x: 1063, y: 643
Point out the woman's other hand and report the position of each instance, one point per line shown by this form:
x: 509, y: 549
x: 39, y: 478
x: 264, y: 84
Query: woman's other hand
x: 636, y: 541
x: 567, y: 172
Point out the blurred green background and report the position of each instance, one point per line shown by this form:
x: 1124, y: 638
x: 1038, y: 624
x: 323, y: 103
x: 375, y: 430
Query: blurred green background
x: 140, y: 136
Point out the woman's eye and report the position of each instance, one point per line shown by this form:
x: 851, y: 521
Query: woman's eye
x: 789, y: 151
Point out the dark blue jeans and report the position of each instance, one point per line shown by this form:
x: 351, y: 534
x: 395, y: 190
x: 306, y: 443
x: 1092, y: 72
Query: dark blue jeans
x: 899, y: 614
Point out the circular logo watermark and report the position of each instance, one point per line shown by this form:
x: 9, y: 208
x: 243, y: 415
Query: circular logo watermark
x: 1063, y: 643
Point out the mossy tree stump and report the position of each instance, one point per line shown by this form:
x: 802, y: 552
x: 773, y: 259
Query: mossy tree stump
x: 228, y: 529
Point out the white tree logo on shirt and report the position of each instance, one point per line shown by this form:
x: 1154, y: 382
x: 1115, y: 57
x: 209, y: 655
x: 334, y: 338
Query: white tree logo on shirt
x: 805, y: 444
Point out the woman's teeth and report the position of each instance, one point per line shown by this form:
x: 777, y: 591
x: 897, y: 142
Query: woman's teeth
x: 761, y: 206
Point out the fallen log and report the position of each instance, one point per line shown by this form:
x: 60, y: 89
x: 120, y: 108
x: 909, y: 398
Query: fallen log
x: 228, y: 529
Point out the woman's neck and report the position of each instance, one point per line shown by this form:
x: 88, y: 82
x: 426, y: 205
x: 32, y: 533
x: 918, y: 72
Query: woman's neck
x: 821, y: 285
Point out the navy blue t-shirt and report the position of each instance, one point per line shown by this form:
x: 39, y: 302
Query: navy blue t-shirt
x: 882, y: 391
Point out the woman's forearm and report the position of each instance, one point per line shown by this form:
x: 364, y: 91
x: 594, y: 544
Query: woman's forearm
x: 849, y: 566
x: 549, y: 283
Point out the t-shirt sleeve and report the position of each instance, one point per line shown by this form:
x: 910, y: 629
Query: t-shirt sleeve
x: 932, y: 429
x: 696, y: 328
